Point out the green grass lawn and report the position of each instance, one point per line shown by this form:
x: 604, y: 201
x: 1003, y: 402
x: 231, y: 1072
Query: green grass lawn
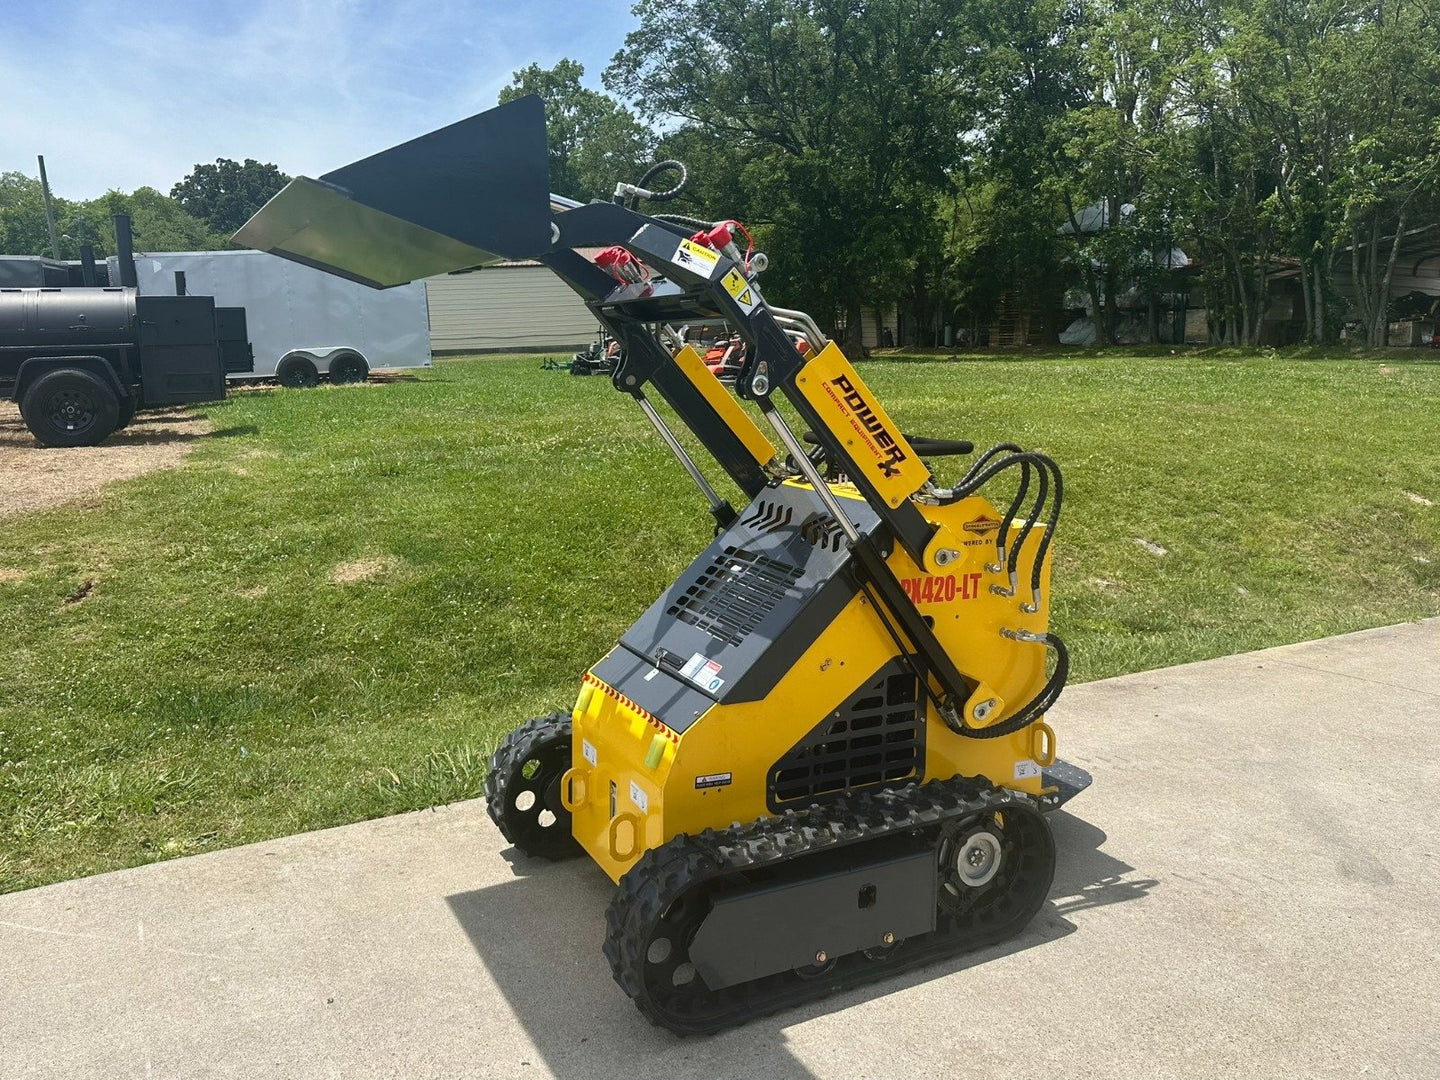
x: 495, y: 528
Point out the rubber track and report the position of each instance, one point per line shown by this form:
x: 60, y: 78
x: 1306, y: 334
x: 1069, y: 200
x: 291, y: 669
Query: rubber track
x: 516, y: 747
x: 664, y: 873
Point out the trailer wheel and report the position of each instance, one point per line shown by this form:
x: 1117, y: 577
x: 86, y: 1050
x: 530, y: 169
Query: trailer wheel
x: 70, y: 407
x: 296, y: 372
x: 349, y: 367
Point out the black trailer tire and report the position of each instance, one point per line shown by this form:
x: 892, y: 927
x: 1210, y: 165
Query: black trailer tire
x: 128, y: 405
x: 349, y: 367
x: 70, y: 407
x: 297, y: 372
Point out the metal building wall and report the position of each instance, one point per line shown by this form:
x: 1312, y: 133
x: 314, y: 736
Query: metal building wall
x: 506, y: 308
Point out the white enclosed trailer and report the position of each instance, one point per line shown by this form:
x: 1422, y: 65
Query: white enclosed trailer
x: 304, y: 324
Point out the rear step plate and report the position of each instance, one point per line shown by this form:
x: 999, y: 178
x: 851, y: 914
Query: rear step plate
x: 1070, y: 779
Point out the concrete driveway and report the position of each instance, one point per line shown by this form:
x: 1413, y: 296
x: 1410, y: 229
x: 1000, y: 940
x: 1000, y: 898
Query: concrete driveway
x: 1251, y: 889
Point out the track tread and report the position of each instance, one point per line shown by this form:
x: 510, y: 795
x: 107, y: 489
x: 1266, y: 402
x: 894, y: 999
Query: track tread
x: 664, y: 873
x: 516, y: 748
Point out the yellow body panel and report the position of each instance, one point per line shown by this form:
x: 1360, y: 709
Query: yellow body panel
x: 853, y: 414
x: 654, y: 771
x: 724, y: 403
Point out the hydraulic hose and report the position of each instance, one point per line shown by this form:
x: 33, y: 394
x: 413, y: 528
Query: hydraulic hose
x: 1045, y: 464
x: 1050, y: 525
x: 1036, y: 706
x: 979, y: 463
x: 654, y: 171
x: 1012, y: 551
x: 681, y: 219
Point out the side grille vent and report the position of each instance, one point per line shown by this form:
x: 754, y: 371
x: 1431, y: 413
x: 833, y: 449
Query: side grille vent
x: 732, y: 596
x: 766, y: 516
x: 823, y: 531
x: 876, y: 737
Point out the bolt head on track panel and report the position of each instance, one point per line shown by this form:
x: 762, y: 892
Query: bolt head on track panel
x: 470, y: 194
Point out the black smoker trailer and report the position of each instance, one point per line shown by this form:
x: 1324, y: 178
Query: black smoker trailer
x: 80, y: 362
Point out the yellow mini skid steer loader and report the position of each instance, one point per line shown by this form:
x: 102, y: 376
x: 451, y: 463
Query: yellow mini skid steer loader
x: 821, y: 756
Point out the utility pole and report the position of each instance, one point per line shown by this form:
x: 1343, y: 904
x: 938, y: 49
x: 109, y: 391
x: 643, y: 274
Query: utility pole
x: 49, y: 211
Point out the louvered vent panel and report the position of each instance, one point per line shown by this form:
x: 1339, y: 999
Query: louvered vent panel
x: 876, y: 737
x: 733, y: 594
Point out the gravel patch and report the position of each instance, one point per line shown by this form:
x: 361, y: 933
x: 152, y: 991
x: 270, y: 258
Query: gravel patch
x: 33, y: 477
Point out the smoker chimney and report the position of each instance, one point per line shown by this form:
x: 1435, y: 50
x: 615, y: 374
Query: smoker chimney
x: 87, y: 265
x: 125, y: 251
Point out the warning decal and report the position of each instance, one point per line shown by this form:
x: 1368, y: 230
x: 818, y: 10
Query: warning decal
x: 695, y: 258
x: 740, y: 289
x: 639, y: 798
x: 703, y: 672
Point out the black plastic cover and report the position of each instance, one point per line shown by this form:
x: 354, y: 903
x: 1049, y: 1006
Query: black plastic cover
x: 739, y: 616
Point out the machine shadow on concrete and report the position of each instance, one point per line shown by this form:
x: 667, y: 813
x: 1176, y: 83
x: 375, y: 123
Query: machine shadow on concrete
x: 539, y: 936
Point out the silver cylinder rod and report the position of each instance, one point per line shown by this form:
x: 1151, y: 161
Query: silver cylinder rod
x: 802, y: 459
x: 679, y: 451
x: 804, y: 319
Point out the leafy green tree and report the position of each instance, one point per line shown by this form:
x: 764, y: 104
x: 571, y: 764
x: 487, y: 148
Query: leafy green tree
x: 1388, y: 175
x: 840, y: 118
x: 159, y: 223
x: 595, y: 142
x: 22, y: 216
x: 226, y: 194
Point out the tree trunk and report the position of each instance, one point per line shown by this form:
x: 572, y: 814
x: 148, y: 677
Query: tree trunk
x: 1362, y: 291
x: 1243, y: 335
x: 1262, y: 304
x: 1372, y: 277
x: 1111, y: 311
x: 854, y: 347
x: 1309, y: 304
x: 1382, y: 298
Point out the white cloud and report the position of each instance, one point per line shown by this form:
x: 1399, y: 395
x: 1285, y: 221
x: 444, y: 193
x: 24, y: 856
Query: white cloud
x: 116, y: 98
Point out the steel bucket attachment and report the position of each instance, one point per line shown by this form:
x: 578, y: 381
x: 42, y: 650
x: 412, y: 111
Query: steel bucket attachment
x: 470, y: 194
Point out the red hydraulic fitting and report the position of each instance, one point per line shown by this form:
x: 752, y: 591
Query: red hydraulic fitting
x: 621, y: 265
x: 719, y: 238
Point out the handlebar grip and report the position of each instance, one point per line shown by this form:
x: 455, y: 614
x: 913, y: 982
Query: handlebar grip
x: 928, y: 447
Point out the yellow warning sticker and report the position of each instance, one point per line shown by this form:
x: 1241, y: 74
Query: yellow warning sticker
x: 696, y: 258
x: 740, y: 289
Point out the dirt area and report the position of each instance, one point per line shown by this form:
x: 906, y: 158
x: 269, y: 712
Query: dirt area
x: 32, y: 478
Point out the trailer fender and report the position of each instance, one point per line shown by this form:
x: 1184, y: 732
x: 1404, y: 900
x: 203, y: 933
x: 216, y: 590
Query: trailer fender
x: 36, y: 366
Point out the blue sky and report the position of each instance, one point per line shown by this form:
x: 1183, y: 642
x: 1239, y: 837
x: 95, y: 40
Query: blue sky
x: 118, y: 95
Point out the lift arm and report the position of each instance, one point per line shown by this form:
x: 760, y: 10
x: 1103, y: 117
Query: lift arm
x: 476, y: 192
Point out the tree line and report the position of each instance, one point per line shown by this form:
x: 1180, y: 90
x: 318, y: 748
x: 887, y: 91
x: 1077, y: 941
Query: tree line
x: 941, y: 154
x: 946, y: 156
x: 199, y: 214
